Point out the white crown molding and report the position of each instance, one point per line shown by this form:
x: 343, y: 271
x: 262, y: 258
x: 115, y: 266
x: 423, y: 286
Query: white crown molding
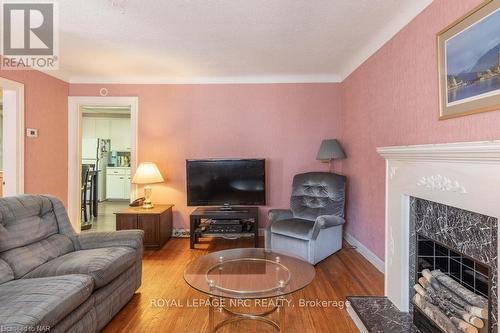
x: 271, y: 79
x: 481, y: 151
x: 386, y: 34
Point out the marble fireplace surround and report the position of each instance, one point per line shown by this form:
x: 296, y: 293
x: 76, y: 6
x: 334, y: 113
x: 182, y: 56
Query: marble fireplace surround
x: 463, y: 175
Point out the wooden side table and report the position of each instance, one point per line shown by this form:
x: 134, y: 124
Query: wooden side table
x: 156, y: 223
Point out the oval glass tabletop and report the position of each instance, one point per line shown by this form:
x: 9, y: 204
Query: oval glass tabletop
x: 248, y: 273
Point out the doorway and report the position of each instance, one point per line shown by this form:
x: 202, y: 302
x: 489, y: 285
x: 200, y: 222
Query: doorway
x: 102, y: 158
x: 106, y: 177
x: 11, y: 137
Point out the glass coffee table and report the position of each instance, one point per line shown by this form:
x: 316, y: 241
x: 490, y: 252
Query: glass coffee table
x: 238, y: 277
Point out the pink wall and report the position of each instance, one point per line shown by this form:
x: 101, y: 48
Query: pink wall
x: 283, y: 123
x: 46, y: 157
x: 392, y: 99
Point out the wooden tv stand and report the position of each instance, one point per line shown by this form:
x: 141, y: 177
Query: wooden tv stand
x: 244, y: 214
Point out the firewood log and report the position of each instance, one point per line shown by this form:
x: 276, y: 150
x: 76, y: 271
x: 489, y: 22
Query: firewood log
x: 462, y: 318
x: 450, y: 295
x: 476, y: 321
x: 466, y: 294
x: 463, y: 326
x: 437, y: 316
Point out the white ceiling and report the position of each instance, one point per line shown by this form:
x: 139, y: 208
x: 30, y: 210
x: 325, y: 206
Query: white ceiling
x: 198, y: 41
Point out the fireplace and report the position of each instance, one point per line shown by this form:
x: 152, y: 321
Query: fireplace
x: 457, y: 179
x: 457, y: 250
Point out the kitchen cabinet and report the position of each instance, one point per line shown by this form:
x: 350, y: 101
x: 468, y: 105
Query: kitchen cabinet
x: 118, y: 183
x: 88, y: 128
x: 120, y: 135
x: 103, y: 128
x: 118, y: 130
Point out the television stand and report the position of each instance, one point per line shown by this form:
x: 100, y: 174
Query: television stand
x: 230, y: 224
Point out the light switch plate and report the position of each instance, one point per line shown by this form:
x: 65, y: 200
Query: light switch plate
x: 32, y: 133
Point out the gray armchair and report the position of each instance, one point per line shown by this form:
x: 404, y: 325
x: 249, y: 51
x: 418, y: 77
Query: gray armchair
x: 312, y: 227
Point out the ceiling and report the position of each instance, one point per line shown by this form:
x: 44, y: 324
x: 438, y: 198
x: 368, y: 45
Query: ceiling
x: 217, y: 41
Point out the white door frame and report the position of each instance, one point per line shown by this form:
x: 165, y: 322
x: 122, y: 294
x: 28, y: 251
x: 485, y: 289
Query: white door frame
x: 75, y: 141
x: 13, y: 137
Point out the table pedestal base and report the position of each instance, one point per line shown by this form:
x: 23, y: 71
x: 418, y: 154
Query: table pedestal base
x: 235, y: 316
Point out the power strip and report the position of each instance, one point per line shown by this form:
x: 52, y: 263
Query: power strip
x: 181, y: 233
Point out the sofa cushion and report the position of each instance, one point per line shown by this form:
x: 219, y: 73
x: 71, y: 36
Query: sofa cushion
x: 103, y: 264
x: 28, y: 304
x: 26, y: 258
x: 297, y: 228
x: 25, y: 220
x: 6, y: 273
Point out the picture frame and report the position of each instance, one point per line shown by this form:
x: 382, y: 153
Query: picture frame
x: 468, y: 52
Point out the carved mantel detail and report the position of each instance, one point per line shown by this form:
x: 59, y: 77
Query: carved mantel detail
x: 392, y: 172
x: 441, y: 183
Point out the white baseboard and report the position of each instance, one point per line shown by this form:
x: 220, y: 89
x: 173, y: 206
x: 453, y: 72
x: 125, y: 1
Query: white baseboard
x: 357, y: 321
x: 365, y: 252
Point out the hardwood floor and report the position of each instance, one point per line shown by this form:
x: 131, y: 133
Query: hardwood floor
x: 342, y: 274
x: 106, y: 219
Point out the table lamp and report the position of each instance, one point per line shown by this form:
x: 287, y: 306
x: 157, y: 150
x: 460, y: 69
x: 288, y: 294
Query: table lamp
x: 329, y: 150
x: 147, y: 173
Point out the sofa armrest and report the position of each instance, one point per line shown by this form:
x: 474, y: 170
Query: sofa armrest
x: 278, y: 214
x: 94, y: 240
x: 326, y: 221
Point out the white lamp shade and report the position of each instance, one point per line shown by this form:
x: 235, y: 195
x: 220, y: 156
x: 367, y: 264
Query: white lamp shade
x: 147, y: 173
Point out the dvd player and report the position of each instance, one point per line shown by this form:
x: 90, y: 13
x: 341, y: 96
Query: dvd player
x: 225, y: 228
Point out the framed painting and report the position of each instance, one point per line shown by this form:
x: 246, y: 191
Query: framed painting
x: 469, y: 63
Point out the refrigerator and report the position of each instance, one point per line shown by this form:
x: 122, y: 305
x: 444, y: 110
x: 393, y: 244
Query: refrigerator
x: 97, y: 153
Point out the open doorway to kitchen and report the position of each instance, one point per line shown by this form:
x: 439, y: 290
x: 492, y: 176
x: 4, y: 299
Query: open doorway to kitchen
x: 106, y: 157
x: 11, y: 138
x: 102, y: 158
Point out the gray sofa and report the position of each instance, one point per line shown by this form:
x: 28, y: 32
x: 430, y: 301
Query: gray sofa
x: 312, y: 227
x: 52, y: 278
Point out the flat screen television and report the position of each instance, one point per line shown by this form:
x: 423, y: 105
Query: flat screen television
x: 227, y: 182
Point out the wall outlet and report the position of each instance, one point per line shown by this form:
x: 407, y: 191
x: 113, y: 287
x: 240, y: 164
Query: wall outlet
x: 32, y: 133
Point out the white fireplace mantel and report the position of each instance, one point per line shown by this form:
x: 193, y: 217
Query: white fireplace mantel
x: 482, y: 151
x: 464, y: 175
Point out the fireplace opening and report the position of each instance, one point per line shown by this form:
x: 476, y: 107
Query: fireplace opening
x: 468, y: 272
x: 440, y: 304
x: 453, y: 269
